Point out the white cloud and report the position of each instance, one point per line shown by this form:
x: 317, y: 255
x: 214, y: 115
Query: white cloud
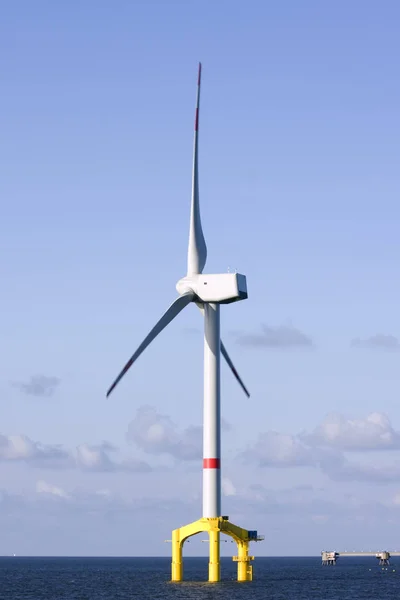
x: 105, y: 493
x: 273, y: 449
x: 320, y: 519
x: 374, y: 432
x: 283, y: 336
x: 228, y: 489
x: 296, y: 501
x: 380, y: 341
x: 93, y: 458
x: 85, y: 457
x: 39, y: 385
x: 395, y: 500
x: 21, y: 447
x: 42, y: 487
x: 96, y: 458
x: 327, y: 446
x: 374, y: 473
x: 157, y: 434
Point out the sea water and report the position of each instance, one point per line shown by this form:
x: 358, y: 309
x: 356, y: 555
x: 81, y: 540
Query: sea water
x: 148, y: 578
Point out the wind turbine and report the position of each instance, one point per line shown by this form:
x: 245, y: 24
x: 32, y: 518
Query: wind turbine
x: 208, y: 292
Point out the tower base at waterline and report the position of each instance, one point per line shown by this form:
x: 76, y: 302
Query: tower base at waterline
x: 214, y: 527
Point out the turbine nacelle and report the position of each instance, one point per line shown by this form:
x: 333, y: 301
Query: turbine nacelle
x: 221, y: 288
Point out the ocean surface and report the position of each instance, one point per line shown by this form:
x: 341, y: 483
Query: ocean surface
x: 148, y: 578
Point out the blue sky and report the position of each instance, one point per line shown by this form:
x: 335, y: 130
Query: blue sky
x: 299, y: 151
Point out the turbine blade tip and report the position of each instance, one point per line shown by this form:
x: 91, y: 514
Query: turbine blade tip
x: 110, y: 389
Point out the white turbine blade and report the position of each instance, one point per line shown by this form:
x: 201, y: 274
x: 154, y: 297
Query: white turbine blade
x: 197, y: 251
x: 175, y: 308
x: 228, y: 360
x: 236, y: 374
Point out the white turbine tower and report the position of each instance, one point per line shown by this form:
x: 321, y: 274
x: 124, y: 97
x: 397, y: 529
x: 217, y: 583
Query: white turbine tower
x: 208, y: 292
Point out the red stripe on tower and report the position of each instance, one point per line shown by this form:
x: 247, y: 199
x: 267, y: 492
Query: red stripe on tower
x: 211, y: 463
x: 196, y: 122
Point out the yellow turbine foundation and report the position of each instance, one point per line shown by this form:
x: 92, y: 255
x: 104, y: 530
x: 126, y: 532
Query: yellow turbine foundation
x: 214, y: 527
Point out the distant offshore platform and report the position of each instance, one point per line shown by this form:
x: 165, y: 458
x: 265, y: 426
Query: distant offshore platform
x: 329, y: 558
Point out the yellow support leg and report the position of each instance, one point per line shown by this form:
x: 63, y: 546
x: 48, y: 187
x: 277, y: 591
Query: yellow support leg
x: 178, y: 538
x: 177, y: 564
x: 244, y: 570
x: 214, y: 570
